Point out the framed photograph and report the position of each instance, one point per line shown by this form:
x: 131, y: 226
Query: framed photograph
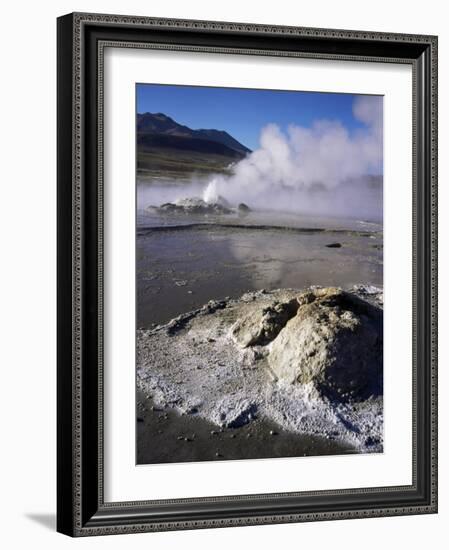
x: 246, y: 274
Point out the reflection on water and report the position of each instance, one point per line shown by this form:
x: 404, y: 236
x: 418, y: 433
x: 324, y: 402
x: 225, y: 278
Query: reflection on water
x: 181, y: 269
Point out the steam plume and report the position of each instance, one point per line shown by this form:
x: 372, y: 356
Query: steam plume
x: 321, y: 169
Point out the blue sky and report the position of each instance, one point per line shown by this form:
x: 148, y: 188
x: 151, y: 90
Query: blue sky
x: 243, y: 113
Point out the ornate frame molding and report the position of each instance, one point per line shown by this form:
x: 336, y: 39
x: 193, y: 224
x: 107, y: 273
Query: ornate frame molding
x: 81, y: 510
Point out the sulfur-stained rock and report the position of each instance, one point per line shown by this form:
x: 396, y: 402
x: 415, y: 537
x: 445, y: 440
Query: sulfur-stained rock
x: 335, y: 342
x: 262, y: 326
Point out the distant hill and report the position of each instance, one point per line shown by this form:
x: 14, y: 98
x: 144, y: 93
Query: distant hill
x: 166, y: 148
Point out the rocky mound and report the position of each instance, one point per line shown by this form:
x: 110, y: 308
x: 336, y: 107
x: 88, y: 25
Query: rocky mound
x: 327, y: 337
x: 243, y: 208
x: 311, y: 361
x: 196, y: 205
x: 334, y: 341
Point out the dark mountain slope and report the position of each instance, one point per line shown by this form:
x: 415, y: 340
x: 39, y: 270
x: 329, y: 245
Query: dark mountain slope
x: 168, y: 149
x: 223, y: 137
x: 181, y: 143
x: 160, y: 124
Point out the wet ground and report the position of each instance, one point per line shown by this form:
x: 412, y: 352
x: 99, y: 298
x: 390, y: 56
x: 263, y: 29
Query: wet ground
x: 164, y: 435
x: 183, y: 262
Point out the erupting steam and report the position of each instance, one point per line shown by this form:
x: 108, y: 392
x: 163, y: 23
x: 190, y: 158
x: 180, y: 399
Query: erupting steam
x: 321, y: 169
x: 324, y: 169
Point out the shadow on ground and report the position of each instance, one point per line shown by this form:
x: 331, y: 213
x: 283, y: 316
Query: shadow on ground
x: 46, y: 520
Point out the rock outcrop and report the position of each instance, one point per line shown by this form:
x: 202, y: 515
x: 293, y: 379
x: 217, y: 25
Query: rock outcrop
x: 326, y: 337
x: 194, y: 205
x: 243, y: 208
x: 334, y: 341
x: 262, y: 326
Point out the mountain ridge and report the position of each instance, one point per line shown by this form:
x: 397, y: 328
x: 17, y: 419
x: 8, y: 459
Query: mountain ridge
x: 172, y: 151
x: 162, y: 124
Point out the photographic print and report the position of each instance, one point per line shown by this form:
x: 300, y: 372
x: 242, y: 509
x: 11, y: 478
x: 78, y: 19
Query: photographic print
x: 233, y: 199
x: 259, y: 273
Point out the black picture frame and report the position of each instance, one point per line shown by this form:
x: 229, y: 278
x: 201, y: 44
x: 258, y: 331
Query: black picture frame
x: 81, y: 509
